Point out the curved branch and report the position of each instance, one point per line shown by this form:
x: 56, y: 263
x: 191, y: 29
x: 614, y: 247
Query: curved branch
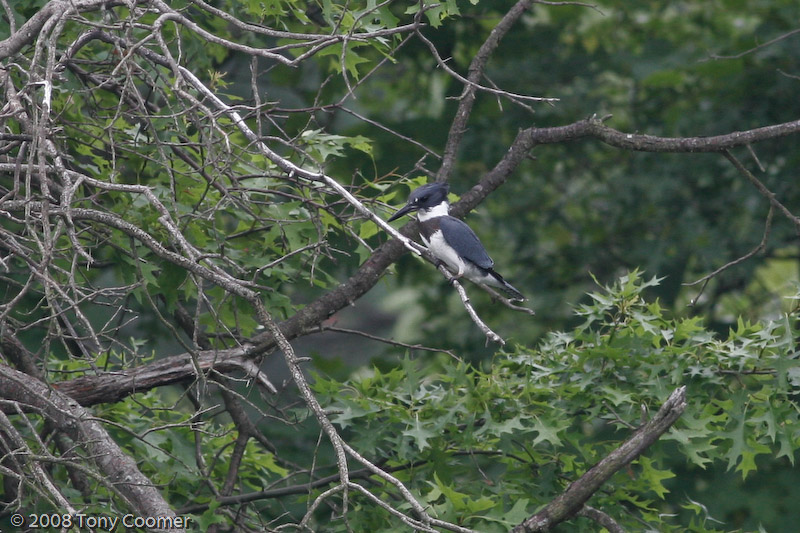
x: 757, y: 250
x: 572, y: 500
x: 169, y: 14
x: 594, y: 128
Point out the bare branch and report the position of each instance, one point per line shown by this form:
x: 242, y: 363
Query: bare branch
x: 389, y: 341
x: 24, y: 455
x: 594, y: 128
x: 311, y: 401
x: 474, y: 85
x: 32, y: 28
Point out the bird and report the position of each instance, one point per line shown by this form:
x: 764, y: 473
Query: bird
x: 451, y: 240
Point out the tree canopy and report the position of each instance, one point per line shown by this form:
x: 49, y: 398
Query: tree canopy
x: 206, y: 321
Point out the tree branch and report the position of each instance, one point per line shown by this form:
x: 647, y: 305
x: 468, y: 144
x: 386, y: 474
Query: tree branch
x: 490, y: 335
x: 571, y: 501
x: 757, y: 47
x: 757, y: 250
x: 110, y: 387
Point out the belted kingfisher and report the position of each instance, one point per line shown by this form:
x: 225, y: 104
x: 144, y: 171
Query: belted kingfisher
x: 451, y: 240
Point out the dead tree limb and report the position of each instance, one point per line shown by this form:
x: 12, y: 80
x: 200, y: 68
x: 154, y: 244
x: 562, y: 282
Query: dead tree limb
x: 572, y: 500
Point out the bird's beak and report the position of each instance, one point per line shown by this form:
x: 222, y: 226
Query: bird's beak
x: 402, y: 211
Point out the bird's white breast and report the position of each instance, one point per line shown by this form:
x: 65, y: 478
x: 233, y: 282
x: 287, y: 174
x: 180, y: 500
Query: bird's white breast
x: 445, y: 253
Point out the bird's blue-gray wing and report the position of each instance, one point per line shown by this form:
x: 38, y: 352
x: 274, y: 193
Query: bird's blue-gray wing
x: 461, y: 237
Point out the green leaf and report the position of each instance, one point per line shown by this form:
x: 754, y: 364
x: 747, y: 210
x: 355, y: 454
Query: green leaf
x: 517, y: 513
x: 419, y: 434
x: 367, y: 229
x: 351, y: 59
x: 548, y: 433
x: 654, y: 476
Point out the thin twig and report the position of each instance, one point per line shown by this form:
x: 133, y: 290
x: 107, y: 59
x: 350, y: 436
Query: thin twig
x: 757, y: 250
x: 765, y: 192
x: 387, y: 341
x: 757, y: 47
x: 490, y: 335
x: 500, y: 92
x: 474, y: 74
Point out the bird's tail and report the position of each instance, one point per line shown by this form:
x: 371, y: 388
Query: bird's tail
x: 505, y: 287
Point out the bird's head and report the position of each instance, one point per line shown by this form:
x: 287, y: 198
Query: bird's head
x: 424, y: 198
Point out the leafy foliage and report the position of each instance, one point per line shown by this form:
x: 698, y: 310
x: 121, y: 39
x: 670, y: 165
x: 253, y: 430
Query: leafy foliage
x: 484, y: 446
